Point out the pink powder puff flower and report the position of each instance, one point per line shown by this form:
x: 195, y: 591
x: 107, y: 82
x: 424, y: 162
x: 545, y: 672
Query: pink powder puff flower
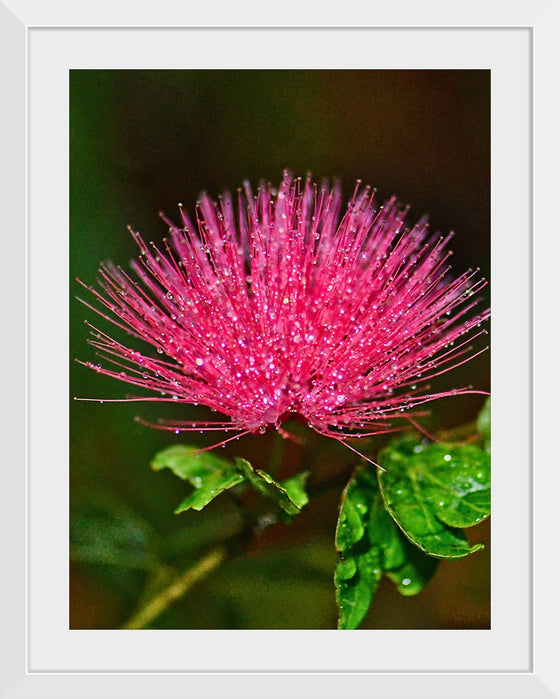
x: 284, y: 307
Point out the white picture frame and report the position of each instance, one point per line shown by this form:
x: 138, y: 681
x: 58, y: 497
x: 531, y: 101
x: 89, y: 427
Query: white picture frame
x: 40, y: 656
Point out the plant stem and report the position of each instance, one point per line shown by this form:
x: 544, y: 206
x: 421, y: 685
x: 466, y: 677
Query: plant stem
x: 277, y: 453
x: 177, y: 589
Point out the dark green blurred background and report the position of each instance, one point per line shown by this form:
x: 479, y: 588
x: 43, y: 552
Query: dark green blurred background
x: 142, y: 141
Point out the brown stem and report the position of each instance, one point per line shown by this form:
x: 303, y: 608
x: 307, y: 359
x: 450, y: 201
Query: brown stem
x: 177, y: 589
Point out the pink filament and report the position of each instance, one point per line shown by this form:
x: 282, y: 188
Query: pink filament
x: 285, y: 307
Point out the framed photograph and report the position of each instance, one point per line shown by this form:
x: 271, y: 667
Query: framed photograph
x: 107, y: 120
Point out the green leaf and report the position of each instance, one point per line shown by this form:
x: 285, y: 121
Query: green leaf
x: 295, y: 487
x: 265, y: 484
x: 483, y: 425
x: 432, y: 491
x: 356, y: 498
x: 355, y: 592
x: 418, y: 568
x: 209, y: 474
x: 189, y: 463
x: 370, y: 544
x: 210, y: 487
x: 363, y: 526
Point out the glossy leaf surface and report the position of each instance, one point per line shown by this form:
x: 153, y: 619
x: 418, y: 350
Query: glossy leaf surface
x: 433, y: 491
x: 265, y: 484
x: 411, y: 577
x: 359, y: 569
x: 210, y: 487
x: 210, y: 475
x: 295, y: 488
x: 189, y: 463
x: 370, y: 544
